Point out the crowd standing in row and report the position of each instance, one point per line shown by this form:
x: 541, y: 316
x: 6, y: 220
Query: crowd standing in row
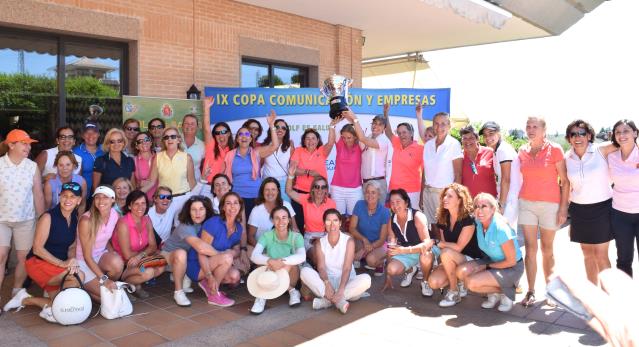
x: 210, y: 209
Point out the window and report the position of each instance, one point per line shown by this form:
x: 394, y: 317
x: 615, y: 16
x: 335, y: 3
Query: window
x: 271, y: 75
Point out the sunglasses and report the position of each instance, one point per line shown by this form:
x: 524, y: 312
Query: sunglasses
x: 116, y: 141
x: 155, y: 127
x: 165, y: 196
x: 581, y: 133
x: 141, y: 141
x: 132, y: 129
x: 220, y: 132
x: 66, y: 137
x: 244, y: 133
x: 167, y: 137
x: 71, y: 186
x: 254, y: 129
x: 281, y: 127
x: 323, y: 186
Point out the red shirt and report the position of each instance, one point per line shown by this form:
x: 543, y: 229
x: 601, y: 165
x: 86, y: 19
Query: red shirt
x: 408, y: 164
x: 482, y: 178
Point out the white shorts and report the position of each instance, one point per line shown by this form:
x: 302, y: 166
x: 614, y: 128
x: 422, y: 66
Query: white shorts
x: 346, y: 198
x: 89, y: 275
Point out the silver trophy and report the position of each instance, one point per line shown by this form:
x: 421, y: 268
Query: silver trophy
x: 335, y: 88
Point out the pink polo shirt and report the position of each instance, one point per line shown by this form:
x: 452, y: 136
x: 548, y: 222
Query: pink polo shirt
x: 348, y: 166
x: 539, y: 173
x: 625, y: 176
x: 407, y: 166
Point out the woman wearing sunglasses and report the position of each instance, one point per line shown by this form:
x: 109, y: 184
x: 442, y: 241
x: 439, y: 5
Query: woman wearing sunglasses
x: 256, y: 131
x: 114, y: 163
x: 65, y: 163
x: 173, y: 168
x: 478, y: 174
x: 131, y: 129
x: 590, y: 196
x: 217, y: 142
x: 65, y: 140
x: 242, y: 164
x: 276, y: 164
x: 144, y: 156
x: 313, y: 205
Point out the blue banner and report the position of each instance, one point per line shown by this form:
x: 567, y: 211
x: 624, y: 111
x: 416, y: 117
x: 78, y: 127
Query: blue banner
x: 242, y: 103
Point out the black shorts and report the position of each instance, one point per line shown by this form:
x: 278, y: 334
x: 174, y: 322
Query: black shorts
x: 590, y: 223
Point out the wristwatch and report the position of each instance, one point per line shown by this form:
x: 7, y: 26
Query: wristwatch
x: 103, y: 279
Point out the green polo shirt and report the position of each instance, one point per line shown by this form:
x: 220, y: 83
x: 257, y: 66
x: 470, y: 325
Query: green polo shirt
x: 276, y: 248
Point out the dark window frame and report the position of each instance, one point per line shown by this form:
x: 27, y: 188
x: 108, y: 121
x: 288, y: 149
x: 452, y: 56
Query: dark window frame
x: 271, y: 65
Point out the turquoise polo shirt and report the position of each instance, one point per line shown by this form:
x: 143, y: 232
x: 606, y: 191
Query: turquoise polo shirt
x: 497, y: 234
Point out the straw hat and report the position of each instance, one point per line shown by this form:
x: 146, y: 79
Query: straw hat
x: 267, y: 284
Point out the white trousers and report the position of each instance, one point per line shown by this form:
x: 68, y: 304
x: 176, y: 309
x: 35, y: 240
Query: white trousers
x: 346, y: 198
x: 355, y: 287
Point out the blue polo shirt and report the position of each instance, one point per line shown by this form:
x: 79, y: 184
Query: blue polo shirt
x: 243, y: 182
x: 497, y: 234
x: 88, y: 159
x: 370, y: 225
x: 111, y: 171
x: 216, y: 227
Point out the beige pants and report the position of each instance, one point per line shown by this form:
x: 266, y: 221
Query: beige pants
x: 430, y: 201
x: 355, y: 287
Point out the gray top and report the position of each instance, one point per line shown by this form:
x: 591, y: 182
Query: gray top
x: 179, y: 235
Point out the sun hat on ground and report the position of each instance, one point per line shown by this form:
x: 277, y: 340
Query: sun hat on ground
x: 267, y: 284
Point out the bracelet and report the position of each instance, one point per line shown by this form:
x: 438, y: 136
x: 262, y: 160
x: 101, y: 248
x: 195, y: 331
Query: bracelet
x: 208, y: 273
x: 143, y: 254
x: 332, y: 127
x: 291, y: 177
x: 355, y: 120
x: 273, y: 128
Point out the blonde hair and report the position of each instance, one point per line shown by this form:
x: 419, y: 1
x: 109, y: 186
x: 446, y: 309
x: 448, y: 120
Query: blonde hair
x: 95, y: 219
x: 539, y: 119
x: 489, y: 198
x: 107, y: 139
x: 179, y: 136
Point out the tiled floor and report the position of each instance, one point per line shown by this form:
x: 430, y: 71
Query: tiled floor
x: 397, y: 317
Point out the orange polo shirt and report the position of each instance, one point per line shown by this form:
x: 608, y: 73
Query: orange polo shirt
x: 539, y: 173
x: 408, y: 164
x: 313, y: 214
x: 214, y: 163
x: 309, y: 161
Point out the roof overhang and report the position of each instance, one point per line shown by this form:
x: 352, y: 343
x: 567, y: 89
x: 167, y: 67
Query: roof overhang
x: 397, y: 27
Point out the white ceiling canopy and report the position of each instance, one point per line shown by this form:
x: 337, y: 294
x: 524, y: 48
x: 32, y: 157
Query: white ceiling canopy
x: 402, y: 26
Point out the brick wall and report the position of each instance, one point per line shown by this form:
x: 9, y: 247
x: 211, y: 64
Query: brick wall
x: 166, y: 65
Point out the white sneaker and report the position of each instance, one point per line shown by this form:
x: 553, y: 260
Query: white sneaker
x: 408, y: 277
x: 186, y: 285
x: 491, y: 301
x: 181, y: 299
x: 420, y: 275
x: 343, y: 306
x: 16, y: 301
x: 47, y: 314
x: 505, y: 304
x: 321, y: 303
x: 463, y: 291
x: 258, y: 306
x: 452, y: 298
x: 426, y: 289
x: 294, y: 297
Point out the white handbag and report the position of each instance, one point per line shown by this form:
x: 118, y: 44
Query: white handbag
x: 72, y: 305
x: 116, y: 304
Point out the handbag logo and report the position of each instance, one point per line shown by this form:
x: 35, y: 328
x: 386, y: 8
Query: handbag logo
x: 72, y: 309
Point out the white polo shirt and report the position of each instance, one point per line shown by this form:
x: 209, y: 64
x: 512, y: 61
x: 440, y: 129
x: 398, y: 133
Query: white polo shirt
x: 374, y: 159
x: 504, y: 153
x: 163, y: 223
x: 16, y: 190
x: 196, y: 151
x: 438, y: 163
x: 589, y: 176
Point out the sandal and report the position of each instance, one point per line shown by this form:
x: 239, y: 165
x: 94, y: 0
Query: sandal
x: 529, y: 299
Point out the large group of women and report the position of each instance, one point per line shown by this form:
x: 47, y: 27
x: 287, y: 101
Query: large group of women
x: 209, y: 211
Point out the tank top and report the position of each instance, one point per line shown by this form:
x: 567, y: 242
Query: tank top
x: 410, y: 236
x: 102, y: 236
x: 61, y: 234
x: 276, y: 164
x: 49, y: 168
x: 172, y: 172
x: 143, y: 171
x: 56, y: 187
x: 334, y: 256
x: 138, y: 239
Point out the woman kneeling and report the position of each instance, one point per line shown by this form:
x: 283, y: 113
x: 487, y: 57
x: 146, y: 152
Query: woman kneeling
x: 335, y: 281
x: 498, y: 274
x: 284, y: 250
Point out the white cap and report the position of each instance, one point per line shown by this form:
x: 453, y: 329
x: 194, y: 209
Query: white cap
x: 104, y: 190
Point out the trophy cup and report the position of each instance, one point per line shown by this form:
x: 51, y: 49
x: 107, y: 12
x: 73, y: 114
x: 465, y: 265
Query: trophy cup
x: 336, y: 89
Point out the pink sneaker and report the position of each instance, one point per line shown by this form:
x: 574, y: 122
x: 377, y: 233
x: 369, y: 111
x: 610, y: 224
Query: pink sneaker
x: 221, y: 300
x: 204, y: 284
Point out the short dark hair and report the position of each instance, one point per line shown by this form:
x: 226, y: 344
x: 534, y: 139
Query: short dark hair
x: 282, y: 208
x: 331, y: 211
x: 402, y: 193
x: 260, y: 194
x: 197, y: 121
x: 135, y: 139
x: 220, y: 175
x: 469, y: 129
x: 59, y: 131
x: 312, y: 131
x: 185, y: 215
x: 627, y: 122
x: 579, y: 123
x: 223, y: 201
x: 159, y: 120
x: 133, y: 197
x: 408, y: 126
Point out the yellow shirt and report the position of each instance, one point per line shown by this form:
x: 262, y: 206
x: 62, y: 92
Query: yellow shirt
x: 172, y: 172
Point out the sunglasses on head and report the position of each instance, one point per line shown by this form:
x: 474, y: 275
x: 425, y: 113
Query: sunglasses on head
x: 155, y: 127
x: 141, y: 141
x: 165, y: 196
x: 116, y: 141
x: 167, y: 137
x: 318, y: 186
x: 244, y: 133
x: 281, y: 127
x: 132, y: 129
x: 220, y: 132
x: 66, y: 137
x: 71, y: 186
x: 581, y: 133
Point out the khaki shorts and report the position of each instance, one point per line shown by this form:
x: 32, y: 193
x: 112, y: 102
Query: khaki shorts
x: 538, y: 213
x: 21, y: 232
x: 430, y: 202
